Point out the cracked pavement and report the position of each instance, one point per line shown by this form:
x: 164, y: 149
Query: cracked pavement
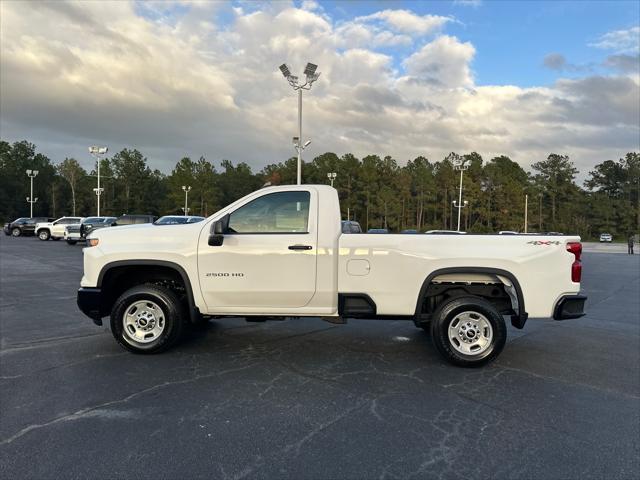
x: 305, y: 399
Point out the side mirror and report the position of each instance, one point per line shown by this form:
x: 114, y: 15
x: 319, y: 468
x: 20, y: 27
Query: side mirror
x: 218, y: 229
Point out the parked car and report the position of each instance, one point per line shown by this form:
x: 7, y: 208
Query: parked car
x: 412, y: 231
x: 280, y: 252
x: 378, y: 230
x: 7, y: 226
x: 178, y: 219
x: 74, y: 233
x: 86, y: 229
x: 349, y: 226
x: 606, y: 237
x: 133, y: 220
x: 23, y: 226
x: 55, y: 230
x: 445, y: 232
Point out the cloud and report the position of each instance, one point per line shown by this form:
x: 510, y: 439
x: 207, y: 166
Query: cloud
x: 620, y: 41
x: 558, y: 62
x: 623, y: 63
x: 555, y: 61
x: 445, y: 62
x: 407, y: 22
x: 176, y: 82
x: 468, y: 3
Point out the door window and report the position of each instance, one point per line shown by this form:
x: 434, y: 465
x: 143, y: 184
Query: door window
x: 281, y: 212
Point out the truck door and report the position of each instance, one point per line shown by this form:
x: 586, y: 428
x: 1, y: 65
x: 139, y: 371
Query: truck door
x: 268, y: 256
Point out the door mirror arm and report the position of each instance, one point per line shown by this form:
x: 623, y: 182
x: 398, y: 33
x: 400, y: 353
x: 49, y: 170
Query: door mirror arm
x: 218, y: 229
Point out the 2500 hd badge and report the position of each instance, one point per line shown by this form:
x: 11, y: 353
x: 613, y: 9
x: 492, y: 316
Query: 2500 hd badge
x: 224, y: 274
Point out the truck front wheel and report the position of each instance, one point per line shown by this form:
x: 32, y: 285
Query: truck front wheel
x: 468, y: 331
x: 147, y: 319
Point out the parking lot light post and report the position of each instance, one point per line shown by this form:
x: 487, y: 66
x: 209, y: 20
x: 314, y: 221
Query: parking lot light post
x: 31, y: 174
x: 526, y: 212
x: 460, y: 164
x: 459, y: 206
x: 540, y: 212
x: 97, y: 153
x: 332, y: 176
x: 185, y: 189
x: 311, y: 76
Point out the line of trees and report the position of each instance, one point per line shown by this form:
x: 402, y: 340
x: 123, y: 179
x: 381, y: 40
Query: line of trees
x: 375, y: 191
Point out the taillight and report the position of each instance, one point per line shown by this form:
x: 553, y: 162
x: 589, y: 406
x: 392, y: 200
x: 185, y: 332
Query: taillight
x: 576, y: 267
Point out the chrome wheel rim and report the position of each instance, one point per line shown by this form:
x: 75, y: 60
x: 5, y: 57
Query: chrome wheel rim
x: 43, y: 235
x: 15, y: 232
x: 470, y: 333
x: 143, y: 322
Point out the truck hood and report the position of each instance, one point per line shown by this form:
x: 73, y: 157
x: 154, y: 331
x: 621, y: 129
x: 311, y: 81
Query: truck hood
x: 147, y: 232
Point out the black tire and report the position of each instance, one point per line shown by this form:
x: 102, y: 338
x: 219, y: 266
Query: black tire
x: 44, y: 235
x: 16, y: 232
x: 173, y: 315
x: 477, y: 307
x: 72, y: 242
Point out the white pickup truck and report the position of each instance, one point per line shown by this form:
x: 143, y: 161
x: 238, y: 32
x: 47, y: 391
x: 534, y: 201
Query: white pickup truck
x: 280, y: 252
x: 55, y: 230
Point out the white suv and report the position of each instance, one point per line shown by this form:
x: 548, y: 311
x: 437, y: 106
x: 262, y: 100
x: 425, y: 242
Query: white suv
x: 55, y: 229
x: 606, y: 237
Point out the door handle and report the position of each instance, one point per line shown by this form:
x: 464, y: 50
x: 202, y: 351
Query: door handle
x: 300, y: 247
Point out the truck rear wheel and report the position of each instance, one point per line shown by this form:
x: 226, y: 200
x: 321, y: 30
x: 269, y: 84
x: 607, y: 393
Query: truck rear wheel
x: 147, y: 319
x: 468, y: 331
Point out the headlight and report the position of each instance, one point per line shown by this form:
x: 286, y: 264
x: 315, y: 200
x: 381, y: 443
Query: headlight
x: 92, y: 242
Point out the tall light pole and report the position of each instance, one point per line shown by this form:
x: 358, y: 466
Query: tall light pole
x: 311, y: 76
x: 460, y: 164
x: 459, y: 206
x: 186, y: 190
x: 332, y: 176
x: 526, y: 212
x: 540, y: 212
x: 31, y: 174
x: 97, y: 153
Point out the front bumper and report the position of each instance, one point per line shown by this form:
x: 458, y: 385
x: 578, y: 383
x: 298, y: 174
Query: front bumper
x: 90, y: 303
x: 569, y: 306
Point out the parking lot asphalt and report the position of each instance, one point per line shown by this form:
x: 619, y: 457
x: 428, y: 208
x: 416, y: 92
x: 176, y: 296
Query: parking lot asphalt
x: 304, y: 399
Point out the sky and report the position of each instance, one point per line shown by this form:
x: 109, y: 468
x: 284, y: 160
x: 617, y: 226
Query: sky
x: 199, y: 78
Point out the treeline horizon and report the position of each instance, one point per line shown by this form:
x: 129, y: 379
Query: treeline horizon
x: 374, y: 191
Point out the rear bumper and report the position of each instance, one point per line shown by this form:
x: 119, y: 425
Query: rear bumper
x: 90, y: 303
x: 569, y: 306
